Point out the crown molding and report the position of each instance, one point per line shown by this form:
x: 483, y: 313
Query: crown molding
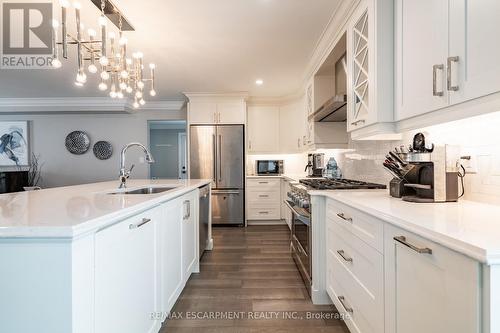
x: 236, y: 95
x: 80, y: 105
x: 275, y: 101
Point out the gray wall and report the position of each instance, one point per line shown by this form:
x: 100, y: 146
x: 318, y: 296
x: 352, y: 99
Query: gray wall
x: 164, y: 145
x: 60, y: 168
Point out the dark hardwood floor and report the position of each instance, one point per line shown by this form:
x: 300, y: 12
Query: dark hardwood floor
x: 249, y: 284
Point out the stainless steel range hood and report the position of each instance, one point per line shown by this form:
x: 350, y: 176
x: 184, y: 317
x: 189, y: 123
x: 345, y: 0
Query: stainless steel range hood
x: 335, y: 108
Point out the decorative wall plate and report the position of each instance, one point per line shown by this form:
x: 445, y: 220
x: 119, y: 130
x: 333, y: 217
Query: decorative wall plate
x: 77, y: 142
x: 103, y: 150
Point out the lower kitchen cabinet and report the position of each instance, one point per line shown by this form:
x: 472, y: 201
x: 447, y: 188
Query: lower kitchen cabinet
x: 263, y: 198
x: 126, y: 284
x: 429, y: 288
x: 189, y: 220
x: 408, y: 285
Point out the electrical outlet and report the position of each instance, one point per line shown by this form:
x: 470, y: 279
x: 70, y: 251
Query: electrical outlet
x: 469, y: 162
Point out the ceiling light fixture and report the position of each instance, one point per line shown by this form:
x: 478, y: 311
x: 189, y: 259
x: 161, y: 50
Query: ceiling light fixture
x: 259, y: 82
x: 116, y: 70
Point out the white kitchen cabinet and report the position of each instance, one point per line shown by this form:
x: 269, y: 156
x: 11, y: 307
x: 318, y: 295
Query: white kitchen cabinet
x: 445, y: 54
x: 263, y: 129
x: 370, y: 65
x: 126, y: 284
x: 291, y: 127
x: 429, y: 288
x: 263, y: 198
x: 189, y: 220
x: 170, y: 242
x: 473, y: 36
x: 216, y: 109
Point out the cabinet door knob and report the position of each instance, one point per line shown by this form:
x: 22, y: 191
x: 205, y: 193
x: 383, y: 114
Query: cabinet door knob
x: 435, y: 68
x: 450, y: 60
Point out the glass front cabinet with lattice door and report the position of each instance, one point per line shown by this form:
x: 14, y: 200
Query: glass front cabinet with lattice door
x: 370, y: 52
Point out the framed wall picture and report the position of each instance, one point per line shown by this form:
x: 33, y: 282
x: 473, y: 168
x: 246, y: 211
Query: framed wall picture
x: 14, y: 143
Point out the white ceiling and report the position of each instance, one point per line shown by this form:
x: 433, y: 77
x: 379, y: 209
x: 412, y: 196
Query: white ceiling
x: 203, y: 46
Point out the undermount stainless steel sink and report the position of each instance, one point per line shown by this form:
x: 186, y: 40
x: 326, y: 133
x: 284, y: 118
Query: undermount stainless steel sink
x: 146, y: 190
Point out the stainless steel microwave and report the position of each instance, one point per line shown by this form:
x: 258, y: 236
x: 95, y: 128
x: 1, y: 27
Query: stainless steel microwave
x: 269, y: 167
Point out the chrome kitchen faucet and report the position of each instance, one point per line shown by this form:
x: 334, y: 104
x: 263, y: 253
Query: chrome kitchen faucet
x: 124, y: 174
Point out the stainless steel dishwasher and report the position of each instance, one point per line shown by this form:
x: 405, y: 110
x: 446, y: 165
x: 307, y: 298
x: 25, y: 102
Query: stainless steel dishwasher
x: 204, y: 217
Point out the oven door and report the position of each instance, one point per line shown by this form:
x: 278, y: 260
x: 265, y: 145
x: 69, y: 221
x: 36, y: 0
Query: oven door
x: 301, y: 242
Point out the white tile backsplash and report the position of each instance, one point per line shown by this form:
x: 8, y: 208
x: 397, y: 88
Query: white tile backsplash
x: 477, y: 136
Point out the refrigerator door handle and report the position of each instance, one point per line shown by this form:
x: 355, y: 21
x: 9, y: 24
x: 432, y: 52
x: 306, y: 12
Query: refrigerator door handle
x: 215, y: 159
x: 220, y: 158
x: 215, y: 192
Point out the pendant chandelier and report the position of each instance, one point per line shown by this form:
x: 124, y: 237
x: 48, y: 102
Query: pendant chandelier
x: 120, y: 74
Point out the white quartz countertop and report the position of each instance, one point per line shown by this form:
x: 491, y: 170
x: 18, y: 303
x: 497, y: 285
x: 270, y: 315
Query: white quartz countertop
x: 471, y: 228
x: 66, y: 212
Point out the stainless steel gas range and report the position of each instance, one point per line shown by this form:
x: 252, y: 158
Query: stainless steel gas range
x: 299, y: 202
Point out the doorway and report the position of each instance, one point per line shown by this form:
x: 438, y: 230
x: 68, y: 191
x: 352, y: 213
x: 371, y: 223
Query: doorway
x: 167, y: 143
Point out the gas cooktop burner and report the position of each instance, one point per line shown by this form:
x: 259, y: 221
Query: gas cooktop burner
x: 339, y: 184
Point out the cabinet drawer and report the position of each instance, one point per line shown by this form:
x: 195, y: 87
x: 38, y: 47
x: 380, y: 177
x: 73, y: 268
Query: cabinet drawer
x: 267, y: 184
x: 366, y: 227
x: 264, y: 213
x: 360, y: 260
x: 265, y: 198
x: 348, y: 294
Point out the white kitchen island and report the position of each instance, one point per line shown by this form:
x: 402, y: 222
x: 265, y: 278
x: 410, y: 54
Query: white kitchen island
x: 78, y: 259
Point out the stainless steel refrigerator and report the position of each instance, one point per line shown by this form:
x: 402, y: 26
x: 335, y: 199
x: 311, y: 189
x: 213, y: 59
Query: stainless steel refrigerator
x: 217, y: 153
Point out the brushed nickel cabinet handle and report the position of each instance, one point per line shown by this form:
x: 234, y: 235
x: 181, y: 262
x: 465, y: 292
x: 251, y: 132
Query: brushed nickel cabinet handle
x: 263, y: 196
x: 435, y: 68
x: 187, y: 213
x: 263, y: 212
x: 263, y: 182
x: 140, y: 224
x: 343, y: 217
x: 343, y: 255
x: 421, y: 250
x: 450, y: 60
x: 342, y: 301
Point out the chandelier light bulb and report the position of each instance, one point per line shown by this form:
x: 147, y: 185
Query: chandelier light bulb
x: 138, y: 94
x: 56, y: 63
x: 119, y: 94
x: 129, y: 89
x: 123, y: 85
x: 140, y: 84
x: 124, y: 74
x: 142, y: 101
x: 111, y: 35
x: 92, y: 32
x: 135, y: 105
x: 129, y: 61
x: 81, y: 77
x: 77, y: 5
x: 112, y: 94
x: 78, y: 84
x: 103, y: 86
x: 123, y: 41
x: 102, y: 20
x: 92, y: 68
x: 105, y: 75
x: 55, y: 24
x: 103, y: 61
x: 152, y: 66
x: 139, y: 55
x: 64, y: 3
x: 152, y: 92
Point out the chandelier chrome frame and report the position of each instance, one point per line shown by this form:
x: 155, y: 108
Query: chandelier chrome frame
x: 122, y: 74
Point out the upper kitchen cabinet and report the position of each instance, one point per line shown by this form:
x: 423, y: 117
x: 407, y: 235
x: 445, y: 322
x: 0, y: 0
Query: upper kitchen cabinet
x: 326, y: 101
x: 216, y: 108
x: 446, y: 54
x: 370, y: 82
x: 263, y: 129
